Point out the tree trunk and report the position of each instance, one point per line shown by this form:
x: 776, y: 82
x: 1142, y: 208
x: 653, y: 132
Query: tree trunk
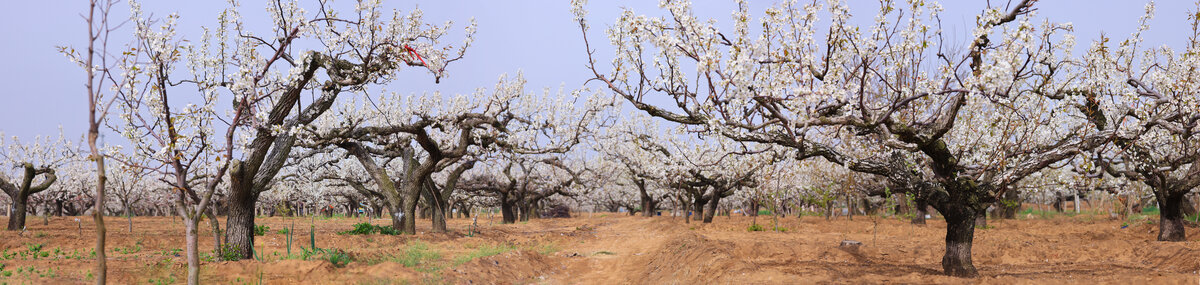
x: 1170, y: 225
x: 409, y: 216
x: 16, y: 221
x: 712, y: 208
x: 1009, y: 205
x: 919, y: 214
x: 193, y: 250
x: 239, y: 224
x: 396, y: 216
x: 437, y: 208
x: 648, y: 206
x: 960, y: 232
x: 524, y: 210
x: 698, y: 211
x: 1076, y: 202
x: 506, y: 211
x: 753, y: 210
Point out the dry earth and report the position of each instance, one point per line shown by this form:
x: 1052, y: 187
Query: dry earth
x: 619, y: 249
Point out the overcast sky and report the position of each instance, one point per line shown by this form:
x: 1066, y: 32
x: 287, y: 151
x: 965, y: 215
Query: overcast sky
x: 40, y: 90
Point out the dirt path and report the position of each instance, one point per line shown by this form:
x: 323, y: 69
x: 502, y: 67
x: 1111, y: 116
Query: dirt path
x: 619, y: 249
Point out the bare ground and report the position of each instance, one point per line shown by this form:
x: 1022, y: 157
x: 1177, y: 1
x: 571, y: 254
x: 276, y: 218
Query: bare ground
x: 618, y: 249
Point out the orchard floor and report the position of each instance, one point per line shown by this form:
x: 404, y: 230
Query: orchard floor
x: 619, y: 249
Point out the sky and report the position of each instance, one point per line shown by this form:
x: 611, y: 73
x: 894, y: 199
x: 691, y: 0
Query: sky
x: 41, y: 91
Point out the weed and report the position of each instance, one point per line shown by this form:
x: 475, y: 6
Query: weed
x: 337, y: 257
x: 283, y: 231
x: 367, y: 228
x: 229, y: 252
x: 261, y: 230
x: 755, y: 228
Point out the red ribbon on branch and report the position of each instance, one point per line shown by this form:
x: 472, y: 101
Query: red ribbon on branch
x: 414, y: 53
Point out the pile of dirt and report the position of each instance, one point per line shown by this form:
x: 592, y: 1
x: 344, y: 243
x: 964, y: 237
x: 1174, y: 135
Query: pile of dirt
x: 521, y: 266
x: 707, y: 260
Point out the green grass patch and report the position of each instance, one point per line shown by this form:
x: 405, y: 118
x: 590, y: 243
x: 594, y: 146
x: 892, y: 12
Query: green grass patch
x: 546, y: 249
x: 482, y: 251
x: 419, y: 256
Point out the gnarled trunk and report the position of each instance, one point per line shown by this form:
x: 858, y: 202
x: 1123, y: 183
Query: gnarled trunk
x: 648, y: 206
x: 960, y: 232
x: 239, y: 224
x: 1170, y: 225
x: 16, y: 221
x: 507, y: 214
x: 397, y: 217
x: 438, y: 213
x: 712, y: 208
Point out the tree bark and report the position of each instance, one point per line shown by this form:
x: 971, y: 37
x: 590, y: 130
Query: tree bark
x: 753, y: 209
x: 921, y: 210
x: 506, y: 212
x: 396, y: 215
x: 960, y: 232
x: 438, y: 209
x: 1170, y: 226
x: 239, y: 224
x: 16, y: 221
x: 1009, y: 205
x: 648, y: 206
x: 712, y: 208
x: 193, y: 251
x: 698, y: 209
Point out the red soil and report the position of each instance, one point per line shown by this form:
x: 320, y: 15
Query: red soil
x: 618, y: 249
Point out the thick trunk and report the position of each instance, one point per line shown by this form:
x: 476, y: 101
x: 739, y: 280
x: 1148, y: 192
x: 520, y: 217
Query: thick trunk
x: 1170, y: 225
x: 523, y: 211
x: 397, y: 217
x: 712, y: 209
x: 506, y: 212
x: 960, y: 232
x: 698, y: 209
x: 648, y: 206
x: 16, y: 221
x: 437, y: 211
x: 409, y: 218
x: 239, y: 224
